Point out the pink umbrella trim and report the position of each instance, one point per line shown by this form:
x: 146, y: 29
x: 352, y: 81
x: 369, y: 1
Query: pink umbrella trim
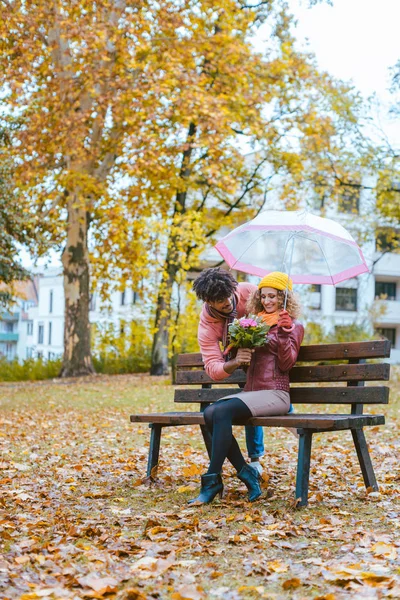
x: 320, y: 279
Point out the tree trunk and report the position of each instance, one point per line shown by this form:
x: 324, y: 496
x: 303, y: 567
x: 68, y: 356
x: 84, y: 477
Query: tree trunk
x: 159, y: 351
x: 77, y: 353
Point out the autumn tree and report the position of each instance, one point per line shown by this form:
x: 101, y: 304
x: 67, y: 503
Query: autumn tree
x: 15, y: 225
x: 298, y: 121
x: 81, y: 80
x: 130, y: 115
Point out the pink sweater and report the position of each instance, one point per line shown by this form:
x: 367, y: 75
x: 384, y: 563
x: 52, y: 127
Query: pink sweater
x: 210, y: 331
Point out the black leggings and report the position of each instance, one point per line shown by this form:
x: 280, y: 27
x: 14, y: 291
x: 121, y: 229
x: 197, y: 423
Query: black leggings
x: 219, y: 418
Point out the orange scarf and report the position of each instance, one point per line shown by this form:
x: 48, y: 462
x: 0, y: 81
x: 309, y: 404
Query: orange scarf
x: 269, y: 318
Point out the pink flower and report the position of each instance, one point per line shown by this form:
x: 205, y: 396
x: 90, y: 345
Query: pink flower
x: 248, y: 323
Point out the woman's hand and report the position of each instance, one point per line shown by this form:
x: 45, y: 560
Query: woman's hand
x: 285, y: 320
x: 243, y: 356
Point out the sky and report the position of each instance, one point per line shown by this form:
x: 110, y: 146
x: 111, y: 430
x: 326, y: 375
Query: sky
x: 354, y: 40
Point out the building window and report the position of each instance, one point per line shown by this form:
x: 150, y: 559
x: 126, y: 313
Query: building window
x: 50, y: 324
x: 123, y: 298
x: 41, y: 333
x: 349, y: 202
x: 385, y: 290
x: 40, y: 355
x: 315, y: 296
x: 29, y: 352
x: 51, y: 302
x: 8, y: 327
x: 135, y: 297
x: 346, y: 299
x: 92, y: 302
x: 29, y: 328
x: 387, y: 239
x: 388, y: 334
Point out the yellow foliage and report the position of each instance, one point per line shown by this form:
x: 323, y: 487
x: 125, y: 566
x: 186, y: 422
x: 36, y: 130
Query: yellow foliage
x: 132, y: 118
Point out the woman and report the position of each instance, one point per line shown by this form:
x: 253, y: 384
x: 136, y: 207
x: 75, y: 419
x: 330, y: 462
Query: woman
x: 266, y: 392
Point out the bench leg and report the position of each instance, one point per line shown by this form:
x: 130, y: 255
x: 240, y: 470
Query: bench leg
x: 154, y: 450
x: 303, y: 467
x: 364, y: 459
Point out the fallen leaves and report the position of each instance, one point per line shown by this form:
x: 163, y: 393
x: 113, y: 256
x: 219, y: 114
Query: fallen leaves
x: 74, y: 525
x: 101, y: 585
x: 188, y: 592
x: 192, y: 470
x: 386, y: 550
x: 291, y: 584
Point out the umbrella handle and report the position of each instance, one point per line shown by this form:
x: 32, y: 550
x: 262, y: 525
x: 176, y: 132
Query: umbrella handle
x: 289, y: 269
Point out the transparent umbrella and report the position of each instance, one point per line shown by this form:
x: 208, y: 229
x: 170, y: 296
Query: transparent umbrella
x: 309, y: 248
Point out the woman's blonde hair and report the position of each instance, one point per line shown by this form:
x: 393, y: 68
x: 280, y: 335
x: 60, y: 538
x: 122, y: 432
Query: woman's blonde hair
x: 293, y: 305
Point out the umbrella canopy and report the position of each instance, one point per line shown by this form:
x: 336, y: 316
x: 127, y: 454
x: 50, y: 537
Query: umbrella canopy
x: 311, y: 249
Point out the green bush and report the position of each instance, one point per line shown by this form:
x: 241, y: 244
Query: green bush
x: 38, y: 369
x: 314, y: 333
x: 126, y: 349
x: 31, y: 369
x: 113, y: 364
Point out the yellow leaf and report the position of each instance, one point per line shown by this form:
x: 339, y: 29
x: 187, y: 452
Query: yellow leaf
x: 184, y: 488
x: 277, y: 567
x: 22, y: 560
x: 291, y: 584
x: 133, y: 594
x: 386, y: 550
x: 192, y: 470
x: 216, y: 574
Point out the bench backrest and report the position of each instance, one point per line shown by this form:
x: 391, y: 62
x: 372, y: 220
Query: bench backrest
x: 352, y: 371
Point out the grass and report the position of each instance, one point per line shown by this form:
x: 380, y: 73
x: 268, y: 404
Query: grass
x: 75, y: 508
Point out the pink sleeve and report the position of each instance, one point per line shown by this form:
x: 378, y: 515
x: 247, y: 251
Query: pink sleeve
x: 212, y: 355
x: 289, y: 342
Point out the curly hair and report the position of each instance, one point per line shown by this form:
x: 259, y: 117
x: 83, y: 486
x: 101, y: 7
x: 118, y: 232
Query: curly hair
x: 293, y: 305
x: 214, y: 285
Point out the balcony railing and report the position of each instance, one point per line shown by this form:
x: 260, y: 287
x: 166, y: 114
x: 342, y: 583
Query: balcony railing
x: 387, y: 264
x: 8, y: 337
x: 9, y: 316
x: 388, y: 311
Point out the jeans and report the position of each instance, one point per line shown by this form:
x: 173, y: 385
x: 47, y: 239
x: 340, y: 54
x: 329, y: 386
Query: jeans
x: 255, y: 439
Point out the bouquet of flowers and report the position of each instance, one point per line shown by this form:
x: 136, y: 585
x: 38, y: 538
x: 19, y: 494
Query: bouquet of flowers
x: 248, y: 332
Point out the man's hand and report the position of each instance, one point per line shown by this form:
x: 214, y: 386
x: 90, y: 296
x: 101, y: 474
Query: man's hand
x: 243, y: 356
x: 285, y: 320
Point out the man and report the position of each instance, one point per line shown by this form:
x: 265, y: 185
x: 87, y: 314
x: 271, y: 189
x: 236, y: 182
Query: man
x: 224, y: 300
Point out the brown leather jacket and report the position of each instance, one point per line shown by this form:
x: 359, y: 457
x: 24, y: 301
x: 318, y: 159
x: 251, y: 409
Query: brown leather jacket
x: 270, y: 365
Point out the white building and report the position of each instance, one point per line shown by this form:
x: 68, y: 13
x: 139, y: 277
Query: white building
x: 15, y: 324
x: 371, y: 300
x: 38, y: 331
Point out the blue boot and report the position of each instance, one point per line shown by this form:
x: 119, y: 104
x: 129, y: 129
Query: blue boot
x: 251, y: 478
x: 211, y: 485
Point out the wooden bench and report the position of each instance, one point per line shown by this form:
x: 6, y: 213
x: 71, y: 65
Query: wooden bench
x: 351, y: 374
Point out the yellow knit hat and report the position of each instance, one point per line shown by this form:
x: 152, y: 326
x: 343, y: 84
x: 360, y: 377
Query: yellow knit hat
x: 276, y: 280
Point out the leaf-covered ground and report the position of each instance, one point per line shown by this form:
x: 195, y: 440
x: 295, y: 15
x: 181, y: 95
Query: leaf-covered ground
x: 77, y: 522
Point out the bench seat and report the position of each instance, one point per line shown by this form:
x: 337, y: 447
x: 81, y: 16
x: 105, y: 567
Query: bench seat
x: 333, y: 422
